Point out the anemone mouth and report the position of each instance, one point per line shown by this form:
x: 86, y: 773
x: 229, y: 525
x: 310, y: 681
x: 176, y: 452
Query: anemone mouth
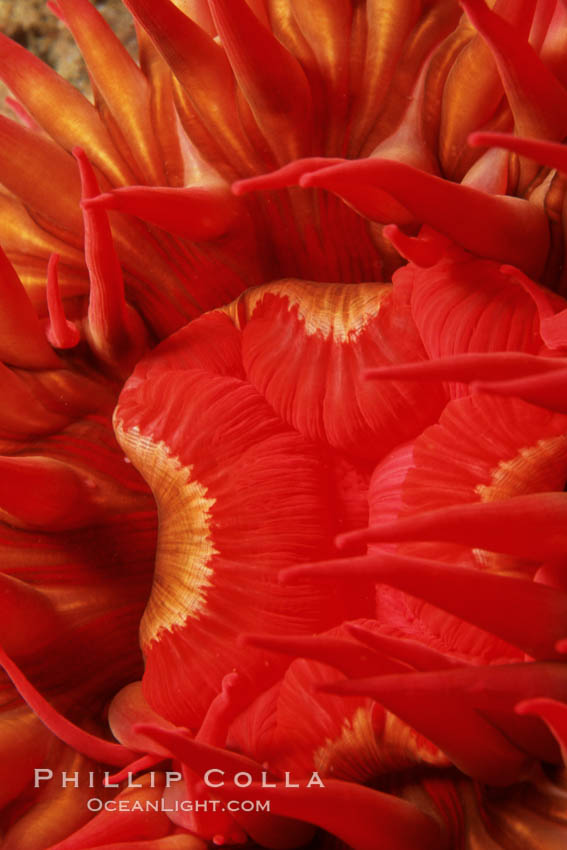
x: 184, y: 543
x: 257, y: 473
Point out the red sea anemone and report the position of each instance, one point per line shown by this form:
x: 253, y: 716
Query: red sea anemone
x: 284, y: 441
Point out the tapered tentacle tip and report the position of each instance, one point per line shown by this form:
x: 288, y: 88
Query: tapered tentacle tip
x: 245, y: 640
x: 149, y: 729
x: 335, y: 688
x: 290, y: 575
x: 479, y: 140
x: 349, y: 539
x: 424, y: 250
x: 489, y: 387
x: 537, y: 293
x: 79, y: 153
x: 60, y: 332
x: 379, y: 373
x: 143, y: 763
x: 553, y: 712
x: 289, y: 175
x: 250, y: 639
x: 355, y: 629
x: 549, y: 153
x: 241, y: 187
x: 157, y: 733
x: 333, y: 569
x: 526, y: 707
x: 232, y: 682
x: 105, y: 200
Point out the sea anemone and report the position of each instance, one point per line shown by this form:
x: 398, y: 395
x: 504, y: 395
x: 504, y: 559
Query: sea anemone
x: 284, y: 440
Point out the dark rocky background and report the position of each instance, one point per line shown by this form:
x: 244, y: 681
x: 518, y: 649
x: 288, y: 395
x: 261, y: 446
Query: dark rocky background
x: 30, y: 23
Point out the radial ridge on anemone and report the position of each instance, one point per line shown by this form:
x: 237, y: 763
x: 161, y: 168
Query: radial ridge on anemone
x: 283, y: 447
